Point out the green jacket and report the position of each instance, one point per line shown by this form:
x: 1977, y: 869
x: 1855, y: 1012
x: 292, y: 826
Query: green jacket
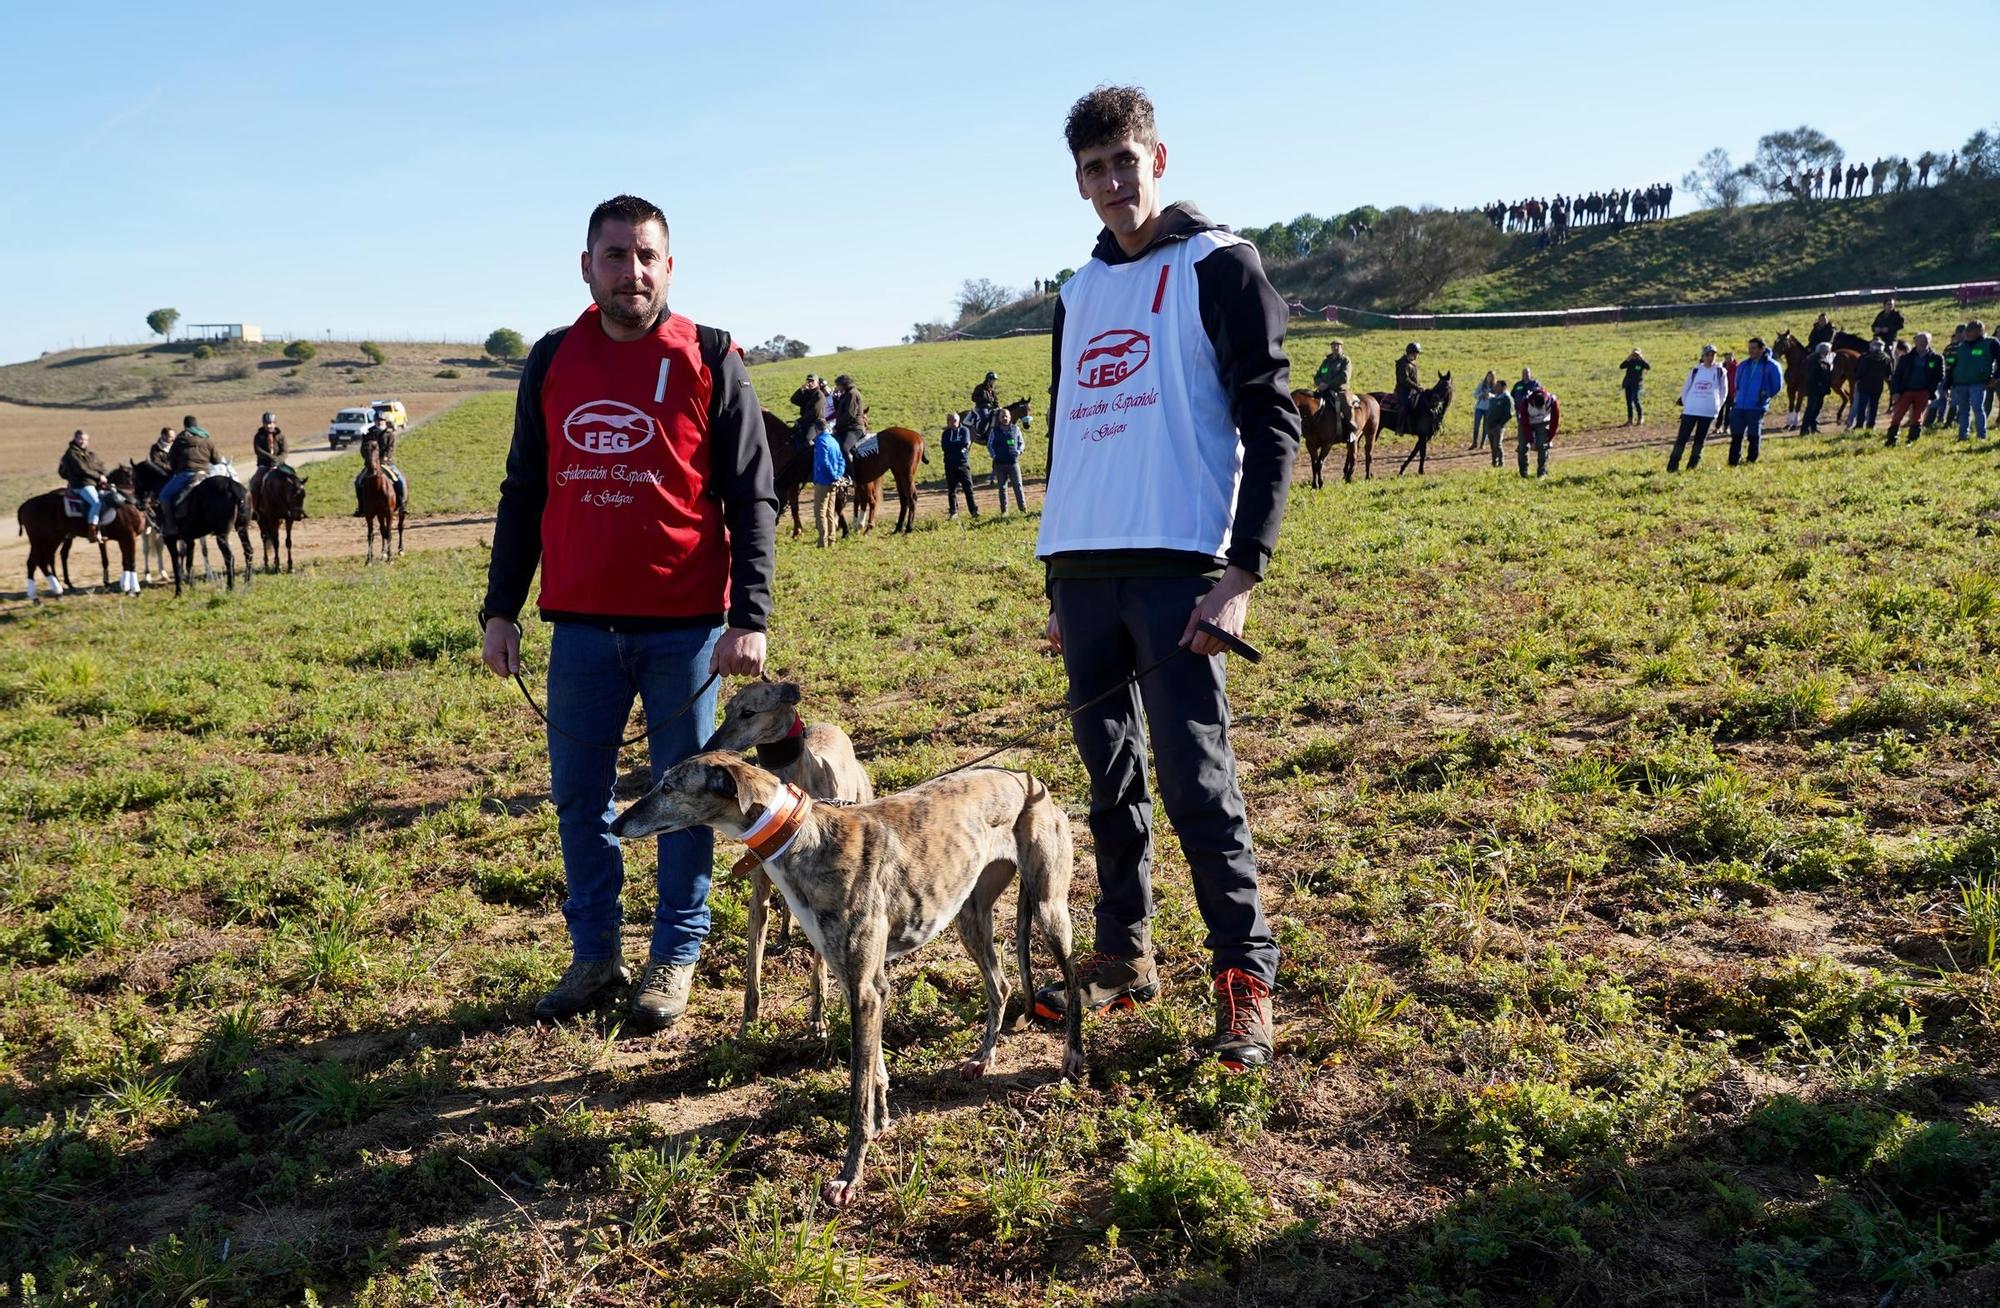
x: 1974, y: 365
x: 1333, y: 373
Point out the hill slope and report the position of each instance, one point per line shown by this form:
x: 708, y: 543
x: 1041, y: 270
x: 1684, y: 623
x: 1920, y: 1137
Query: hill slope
x: 120, y: 376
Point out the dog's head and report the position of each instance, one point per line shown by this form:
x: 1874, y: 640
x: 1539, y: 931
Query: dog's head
x: 762, y: 713
x: 716, y: 789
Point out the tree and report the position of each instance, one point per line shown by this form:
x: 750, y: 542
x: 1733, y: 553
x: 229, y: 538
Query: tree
x: 161, y: 321
x: 925, y: 332
x: 778, y: 347
x: 1415, y: 253
x: 797, y: 349
x: 1716, y: 182
x: 301, y: 351
x: 506, y: 343
x: 979, y: 298
x: 374, y: 353
x: 1782, y: 156
x: 1979, y: 157
x: 1302, y: 234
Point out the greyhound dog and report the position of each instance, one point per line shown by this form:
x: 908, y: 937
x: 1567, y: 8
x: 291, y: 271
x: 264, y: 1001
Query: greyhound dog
x: 818, y: 759
x: 873, y: 882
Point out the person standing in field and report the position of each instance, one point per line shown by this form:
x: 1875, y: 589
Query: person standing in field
x: 1701, y: 404
x: 1540, y: 420
x: 1499, y: 411
x: 1634, y: 368
x: 1757, y: 383
x: 1482, y: 400
x: 1972, y: 373
x: 1939, y: 412
x: 1172, y: 439
x: 957, y: 442
x: 1916, y: 378
x: 829, y: 466
x: 1871, y: 373
x: 1003, y: 442
x: 640, y: 481
x: 1819, y: 380
x: 1729, y: 392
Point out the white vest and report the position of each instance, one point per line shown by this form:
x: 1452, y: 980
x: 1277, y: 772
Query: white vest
x: 1144, y: 454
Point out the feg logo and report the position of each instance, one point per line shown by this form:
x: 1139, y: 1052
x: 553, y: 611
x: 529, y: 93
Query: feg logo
x: 607, y: 427
x: 1110, y: 357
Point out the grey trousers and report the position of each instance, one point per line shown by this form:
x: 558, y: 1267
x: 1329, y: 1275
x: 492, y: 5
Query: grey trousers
x: 1110, y: 629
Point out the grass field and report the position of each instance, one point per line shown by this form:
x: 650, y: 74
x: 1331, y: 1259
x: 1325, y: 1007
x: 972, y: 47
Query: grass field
x: 167, y: 373
x: 1633, y: 841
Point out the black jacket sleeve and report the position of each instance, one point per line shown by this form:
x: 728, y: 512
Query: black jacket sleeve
x: 1245, y: 321
x: 517, y: 529
x: 743, y: 480
x: 1055, y: 387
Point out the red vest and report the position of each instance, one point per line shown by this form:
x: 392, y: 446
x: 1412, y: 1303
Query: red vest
x: 630, y: 530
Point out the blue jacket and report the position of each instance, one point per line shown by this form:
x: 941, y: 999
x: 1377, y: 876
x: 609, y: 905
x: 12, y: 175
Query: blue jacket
x: 957, y: 442
x: 1758, y: 382
x: 829, y: 464
x: 1004, y: 442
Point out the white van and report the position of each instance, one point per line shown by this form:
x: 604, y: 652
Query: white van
x: 349, y: 425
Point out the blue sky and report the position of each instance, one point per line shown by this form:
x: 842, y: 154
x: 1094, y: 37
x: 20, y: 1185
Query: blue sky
x: 832, y: 172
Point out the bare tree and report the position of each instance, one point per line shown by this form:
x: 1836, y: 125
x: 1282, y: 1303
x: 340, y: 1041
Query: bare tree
x: 981, y: 297
x: 1716, y: 182
x: 1782, y: 156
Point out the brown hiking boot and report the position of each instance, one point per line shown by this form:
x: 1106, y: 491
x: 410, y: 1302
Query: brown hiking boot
x: 1242, y: 1021
x: 581, y: 987
x: 1104, y: 982
x: 662, y: 995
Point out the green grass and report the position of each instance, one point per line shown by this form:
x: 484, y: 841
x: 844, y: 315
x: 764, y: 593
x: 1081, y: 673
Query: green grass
x: 1630, y: 841
x: 454, y: 462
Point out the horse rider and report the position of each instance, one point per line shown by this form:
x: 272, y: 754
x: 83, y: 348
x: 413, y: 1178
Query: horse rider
x: 382, y: 436
x: 985, y: 399
x: 1330, y: 384
x: 1408, y: 387
x: 83, y: 472
x: 160, y: 455
x: 850, y: 415
x: 1821, y: 333
x: 190, y: 458
x: 1888, y: 324
x: 810, y: 400
x: 268, y: 444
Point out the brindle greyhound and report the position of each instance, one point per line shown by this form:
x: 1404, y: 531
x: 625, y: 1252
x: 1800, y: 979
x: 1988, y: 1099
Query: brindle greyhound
x: 875, y: 881
x: 818, y: 759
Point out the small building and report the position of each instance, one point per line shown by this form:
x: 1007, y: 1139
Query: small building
x: 223, y: 331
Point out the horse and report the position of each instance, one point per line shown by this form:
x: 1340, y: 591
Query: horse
x: 898, y: 452
x: 378, y: 504
x: 277, y: 496
x: 51, y: 531
x: 1793, y: 353
x: 211, y: 507
x: 791, y: 467
x: 1426, y: 422
x: 1325, y: 426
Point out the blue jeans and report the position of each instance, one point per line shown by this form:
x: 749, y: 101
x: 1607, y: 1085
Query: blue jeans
x: 1005, y: 475
x: 1866, y: 405
x: 1969, y: 400
x: 175, y: 485
x: 1744, y: 423
x: 93, y: 503
x: 593, y: 677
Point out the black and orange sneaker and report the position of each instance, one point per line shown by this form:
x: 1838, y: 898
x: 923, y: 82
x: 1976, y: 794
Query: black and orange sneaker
x: 1242, y: 1021
x: 1105, y: 982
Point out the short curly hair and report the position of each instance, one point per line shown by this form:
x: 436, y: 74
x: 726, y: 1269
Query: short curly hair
x: 1110, y: 114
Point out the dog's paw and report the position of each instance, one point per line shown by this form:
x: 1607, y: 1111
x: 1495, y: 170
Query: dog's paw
x: 972, y: 1069
x: 838, y: 1193
x: 1072, y: 1068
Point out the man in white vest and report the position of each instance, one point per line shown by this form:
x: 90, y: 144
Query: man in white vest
x: 1171, y: 443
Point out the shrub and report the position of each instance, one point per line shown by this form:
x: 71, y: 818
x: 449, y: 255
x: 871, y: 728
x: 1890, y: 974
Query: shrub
x: 301, y: 351
x: 238, y: 371
x: 204, y: 352
x: 448, y: 374
x: 506, y: 343
x: 1173, y: 1185
x: 374, y: 352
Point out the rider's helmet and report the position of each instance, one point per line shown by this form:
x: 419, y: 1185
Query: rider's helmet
x: 1413, y: 348
x: 992, y: 376
x: 270, y: 418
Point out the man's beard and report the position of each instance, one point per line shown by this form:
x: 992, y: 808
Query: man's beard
x: 612, y: 307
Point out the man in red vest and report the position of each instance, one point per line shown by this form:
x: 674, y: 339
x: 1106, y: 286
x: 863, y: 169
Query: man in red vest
x: 640, y: 481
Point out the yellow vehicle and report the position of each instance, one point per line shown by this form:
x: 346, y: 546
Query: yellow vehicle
x: 393, y: 410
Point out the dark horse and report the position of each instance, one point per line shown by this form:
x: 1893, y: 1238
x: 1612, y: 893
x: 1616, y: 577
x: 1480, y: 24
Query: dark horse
x: 277, y: 497
x: 213, y: 506
x: 791, y: 464
x: 51, y: 531
x: 1426, y: 421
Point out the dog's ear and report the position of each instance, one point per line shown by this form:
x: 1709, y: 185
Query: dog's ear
x: 788, y: 692
x: 727, y: 780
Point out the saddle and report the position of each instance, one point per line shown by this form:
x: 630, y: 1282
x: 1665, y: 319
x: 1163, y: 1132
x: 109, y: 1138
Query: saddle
x: 75, y: 506
x: 867, y: 445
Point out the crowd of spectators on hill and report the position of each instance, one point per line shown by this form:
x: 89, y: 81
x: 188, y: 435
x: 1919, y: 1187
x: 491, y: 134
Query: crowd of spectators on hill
x: 1597, y: 209
x: 1845, y: 181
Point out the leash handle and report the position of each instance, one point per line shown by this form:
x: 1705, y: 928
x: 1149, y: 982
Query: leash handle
x: 1237, y: 645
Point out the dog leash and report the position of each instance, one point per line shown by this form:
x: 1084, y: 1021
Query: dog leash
x: 1236, y: 645
x: 676, y: 715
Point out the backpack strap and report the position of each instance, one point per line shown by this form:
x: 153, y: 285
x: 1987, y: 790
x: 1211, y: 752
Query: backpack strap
x: 714, y: 345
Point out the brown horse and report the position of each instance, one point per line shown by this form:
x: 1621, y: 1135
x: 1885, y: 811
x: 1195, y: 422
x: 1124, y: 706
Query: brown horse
x: 899, y: 452
x: 1325, y: 426
x: 277, y: 497
x: 51, y: 531
x: 1796, y: 357
x: 378, y: 504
